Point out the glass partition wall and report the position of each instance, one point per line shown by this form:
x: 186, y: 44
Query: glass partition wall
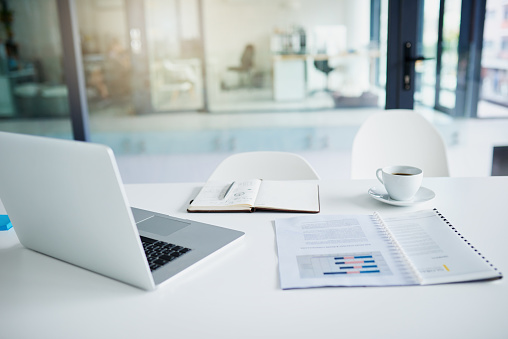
x: 465, y: 66
x: 439, y: 37
x: 252, y: 55
x: 191, y: 76
x: 493, y: 97
x: 106, y: 55
x: 203, y: 76
x: 141, y: 57
x: 175, y: 55
x: 33, y: 94
x: 287, y: 55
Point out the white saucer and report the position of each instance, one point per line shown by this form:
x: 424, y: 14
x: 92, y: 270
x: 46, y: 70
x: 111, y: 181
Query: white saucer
x: 423, y: 195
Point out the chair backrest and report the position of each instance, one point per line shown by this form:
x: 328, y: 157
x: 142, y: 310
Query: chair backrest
x: 398, y: 137
x: 323, y: 66
x: 247, y: 60
x: 264, y: 165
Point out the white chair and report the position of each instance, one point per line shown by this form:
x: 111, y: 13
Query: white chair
x: 398, y: 137
x: 264, y: 165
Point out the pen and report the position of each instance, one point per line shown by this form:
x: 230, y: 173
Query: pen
x: 228, y: 190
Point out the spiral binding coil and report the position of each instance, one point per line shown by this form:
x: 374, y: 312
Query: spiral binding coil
x: 379, y: 223
x: 465, y: 240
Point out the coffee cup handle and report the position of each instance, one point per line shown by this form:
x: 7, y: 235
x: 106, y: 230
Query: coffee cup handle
x: 379, y: 175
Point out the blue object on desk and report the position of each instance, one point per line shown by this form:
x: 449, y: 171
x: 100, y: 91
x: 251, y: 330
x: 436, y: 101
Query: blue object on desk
x: 5, y: 223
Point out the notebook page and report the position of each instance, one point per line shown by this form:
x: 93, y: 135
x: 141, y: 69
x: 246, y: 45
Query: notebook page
x: 298, y: 195
x: 213, y: 194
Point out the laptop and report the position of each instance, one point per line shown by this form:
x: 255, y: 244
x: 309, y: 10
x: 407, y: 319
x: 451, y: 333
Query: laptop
x: 66, y: 200
x: 499, y: 161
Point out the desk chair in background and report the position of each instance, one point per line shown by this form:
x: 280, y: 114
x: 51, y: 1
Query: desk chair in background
x: 264, y: 165
x: 398, y: 137
x: 324, y: 66
x: 245, y: 69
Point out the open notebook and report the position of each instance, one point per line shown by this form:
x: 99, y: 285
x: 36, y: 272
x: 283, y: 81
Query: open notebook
x: 257, y: 194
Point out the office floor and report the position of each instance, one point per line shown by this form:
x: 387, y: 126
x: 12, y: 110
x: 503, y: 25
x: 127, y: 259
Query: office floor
x: 469, y: 143
x: 138, y: 140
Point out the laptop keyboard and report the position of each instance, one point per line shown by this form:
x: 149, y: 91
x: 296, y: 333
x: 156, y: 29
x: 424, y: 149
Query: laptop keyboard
x: 159, y: 253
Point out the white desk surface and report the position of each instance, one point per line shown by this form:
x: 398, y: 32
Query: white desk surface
x: 236, y: 293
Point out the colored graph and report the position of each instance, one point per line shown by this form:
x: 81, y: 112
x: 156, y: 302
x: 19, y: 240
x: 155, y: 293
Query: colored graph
x: 314, y: 266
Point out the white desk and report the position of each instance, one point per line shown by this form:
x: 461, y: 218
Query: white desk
x: 236, y: 293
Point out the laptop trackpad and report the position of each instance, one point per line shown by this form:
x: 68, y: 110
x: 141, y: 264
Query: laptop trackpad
x: 161, y: 226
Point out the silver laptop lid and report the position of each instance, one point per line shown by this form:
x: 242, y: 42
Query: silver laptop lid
x: 66, y: 199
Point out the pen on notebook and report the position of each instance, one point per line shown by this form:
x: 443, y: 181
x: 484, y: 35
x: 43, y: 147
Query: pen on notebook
x: 228, y: 190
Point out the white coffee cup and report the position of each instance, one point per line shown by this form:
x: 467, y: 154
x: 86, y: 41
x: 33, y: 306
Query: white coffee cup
x: 401, y: 182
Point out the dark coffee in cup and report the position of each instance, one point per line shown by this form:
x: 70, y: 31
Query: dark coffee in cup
x: 401, y: 182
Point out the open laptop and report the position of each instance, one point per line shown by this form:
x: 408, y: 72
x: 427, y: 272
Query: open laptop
x: 66, y: 200
x: 499, y: 161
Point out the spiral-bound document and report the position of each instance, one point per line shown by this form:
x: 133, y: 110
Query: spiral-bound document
x: 416, y: 248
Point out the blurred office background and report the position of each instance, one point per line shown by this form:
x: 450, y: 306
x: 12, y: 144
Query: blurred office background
x: 175, y: 86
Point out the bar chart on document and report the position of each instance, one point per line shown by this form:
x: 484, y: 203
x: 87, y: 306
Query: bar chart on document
x: 360, y: 264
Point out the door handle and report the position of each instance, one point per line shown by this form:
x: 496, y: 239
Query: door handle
x: 418, y: 58
x: 409, y: 60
